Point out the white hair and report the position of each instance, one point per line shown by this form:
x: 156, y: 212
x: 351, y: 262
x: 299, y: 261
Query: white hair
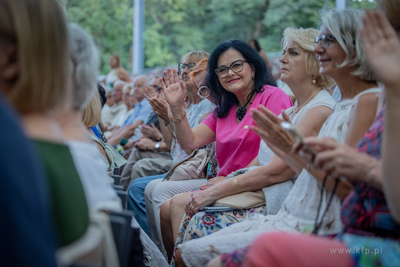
x: 345, y: 26
x: 143, y: 77
x: 117, y: 82
x: 84, y: 62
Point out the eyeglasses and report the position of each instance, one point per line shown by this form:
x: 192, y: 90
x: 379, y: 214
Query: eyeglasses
x: 236, y: 67
x: 190, y: 66
x: 325, y: 40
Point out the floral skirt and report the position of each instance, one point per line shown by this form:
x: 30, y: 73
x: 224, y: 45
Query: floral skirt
x: 206, y: 223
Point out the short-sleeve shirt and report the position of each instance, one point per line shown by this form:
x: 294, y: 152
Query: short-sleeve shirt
x: 235, y: 143
x: 141, y: 112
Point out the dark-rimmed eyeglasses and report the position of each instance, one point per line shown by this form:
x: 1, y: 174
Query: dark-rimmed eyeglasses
x: 189, y: 65
x: 236, y: 67
x: 325, y: 40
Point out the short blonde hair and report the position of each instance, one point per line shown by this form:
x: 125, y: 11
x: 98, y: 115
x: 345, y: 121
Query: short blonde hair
x: 195, y: 57
x: 91, y: 114
x: 305, y: 38
x: 38, y: 29
x: 344, y: 26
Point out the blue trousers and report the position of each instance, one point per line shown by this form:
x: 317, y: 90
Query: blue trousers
x: 136, y: 201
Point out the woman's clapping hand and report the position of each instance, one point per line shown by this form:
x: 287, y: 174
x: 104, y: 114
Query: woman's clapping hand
x: 341, y: 160
x: 174, y: 89
x: 270, y: 130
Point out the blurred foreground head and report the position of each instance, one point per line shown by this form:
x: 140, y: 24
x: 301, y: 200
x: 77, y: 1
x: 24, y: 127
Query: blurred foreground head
x: 34, y: 55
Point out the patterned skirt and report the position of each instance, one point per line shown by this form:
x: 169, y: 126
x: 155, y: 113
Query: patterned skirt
x: 206, y: 223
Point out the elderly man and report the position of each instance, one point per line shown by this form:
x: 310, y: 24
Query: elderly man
x: 114, y: 113
x: 140, y: 113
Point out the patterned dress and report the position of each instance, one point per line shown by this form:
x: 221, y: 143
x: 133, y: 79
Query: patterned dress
x: 365, y: 214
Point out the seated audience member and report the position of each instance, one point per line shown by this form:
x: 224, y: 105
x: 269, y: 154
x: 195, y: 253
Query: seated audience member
x: 239, y: 80
x: 140, y: 113
x: 349, y: 121
x: 300, y: 70
x: 26, y: 226
x: 39, y: 94
x: 147, y: 170
x: 88, y: 160
x: 115, y: 112
x: 130, y: 102
x: 109, y: 102
x: 90, y: 118
x: 371, y: 212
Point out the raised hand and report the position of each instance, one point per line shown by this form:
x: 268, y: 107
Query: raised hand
x: 382, y: 46
x: 174, y: 89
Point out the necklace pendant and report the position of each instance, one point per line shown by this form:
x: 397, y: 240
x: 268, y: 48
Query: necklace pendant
x: 240, y: 113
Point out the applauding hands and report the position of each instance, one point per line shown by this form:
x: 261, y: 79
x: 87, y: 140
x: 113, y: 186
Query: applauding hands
x: 383, y: 48
x: 174, y: 91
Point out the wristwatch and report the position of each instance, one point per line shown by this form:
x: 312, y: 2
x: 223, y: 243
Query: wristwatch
x: 157, y: 146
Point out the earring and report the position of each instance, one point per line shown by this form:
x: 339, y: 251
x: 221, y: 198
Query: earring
x: 252, y: 77
x: 314, y: 81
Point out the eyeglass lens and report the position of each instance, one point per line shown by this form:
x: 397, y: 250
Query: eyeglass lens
x: 236, y: 66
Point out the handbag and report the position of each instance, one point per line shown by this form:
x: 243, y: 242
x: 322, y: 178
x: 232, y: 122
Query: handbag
x: 245, y: 200
x: 192, y: 167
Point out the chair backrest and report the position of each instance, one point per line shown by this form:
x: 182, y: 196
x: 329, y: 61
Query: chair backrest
x: 123, y: 195
x: 127, y: 239
x: 117, y: 179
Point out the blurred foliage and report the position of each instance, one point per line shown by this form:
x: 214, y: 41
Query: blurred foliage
x: 175, y: 27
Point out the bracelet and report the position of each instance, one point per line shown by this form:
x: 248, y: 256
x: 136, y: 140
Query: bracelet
x: 237, y: 186
x: 179, y: 120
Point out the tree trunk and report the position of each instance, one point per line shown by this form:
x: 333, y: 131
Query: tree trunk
x: 257, y: 30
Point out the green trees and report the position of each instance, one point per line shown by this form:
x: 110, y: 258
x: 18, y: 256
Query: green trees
x: 175, y: 27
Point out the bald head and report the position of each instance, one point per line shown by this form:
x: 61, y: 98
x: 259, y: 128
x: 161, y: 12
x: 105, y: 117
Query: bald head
x: 139, y: 88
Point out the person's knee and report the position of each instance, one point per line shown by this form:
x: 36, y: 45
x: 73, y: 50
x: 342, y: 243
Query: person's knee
x: 164, y: 211
x: 135, y: 189
x: 179, y: 201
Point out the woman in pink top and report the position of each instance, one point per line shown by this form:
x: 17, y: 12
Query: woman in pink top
x: 239, y: 80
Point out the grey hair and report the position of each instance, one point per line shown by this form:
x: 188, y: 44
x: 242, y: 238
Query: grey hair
x: 143, y: 77
x: 345, y: 25
x: 85, y: 63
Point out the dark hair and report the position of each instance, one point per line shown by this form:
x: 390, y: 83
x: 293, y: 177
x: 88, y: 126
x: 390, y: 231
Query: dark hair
x: 256, y: 44
x: 224, y: 99
x: 102, y: 93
